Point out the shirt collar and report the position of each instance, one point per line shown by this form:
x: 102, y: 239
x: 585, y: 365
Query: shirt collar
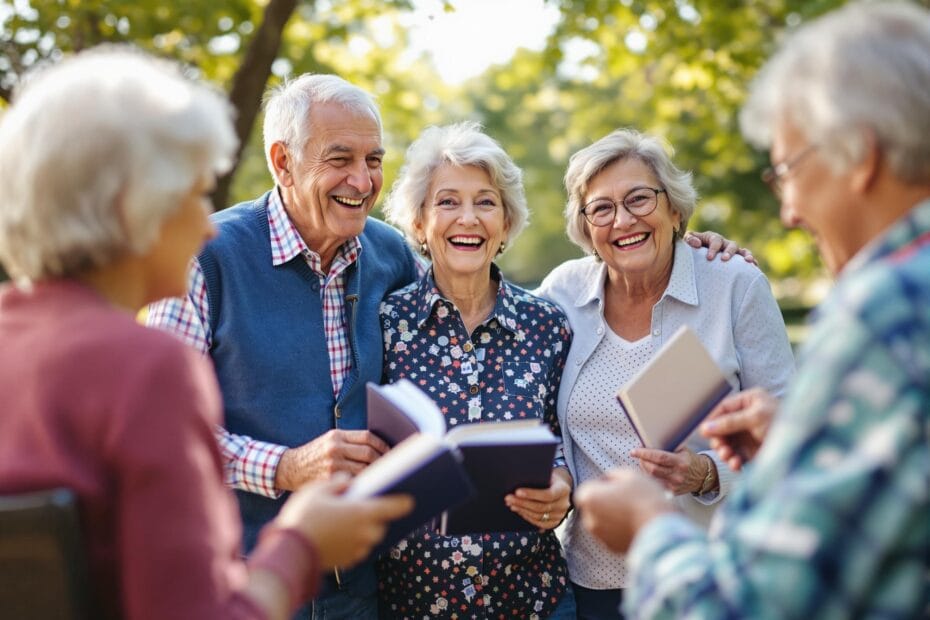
x: 431, y: 301
x: 906, y: 231
x: 681, y: 285
x: 286, y: 242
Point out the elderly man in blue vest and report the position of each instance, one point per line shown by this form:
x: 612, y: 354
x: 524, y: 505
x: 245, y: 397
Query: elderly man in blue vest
x: 832, y: 516
x: 285, y: 300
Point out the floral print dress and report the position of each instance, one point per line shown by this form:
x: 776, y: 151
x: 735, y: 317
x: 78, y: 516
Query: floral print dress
x: 508, y: 368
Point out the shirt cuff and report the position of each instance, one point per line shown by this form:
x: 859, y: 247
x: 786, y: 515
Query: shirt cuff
x: 255, y: 467
x: 725, y: 478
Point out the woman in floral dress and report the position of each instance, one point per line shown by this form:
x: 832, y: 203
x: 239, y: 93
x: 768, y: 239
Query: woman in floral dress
x: 484, y: 350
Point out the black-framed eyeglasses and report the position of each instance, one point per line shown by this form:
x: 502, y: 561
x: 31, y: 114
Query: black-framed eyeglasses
x: 774, y: 176
x: 639, y: 202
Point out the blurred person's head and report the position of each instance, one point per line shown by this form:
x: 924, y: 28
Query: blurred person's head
x: 845, y: 107
x: 105, y: 158
x: 322, y: 139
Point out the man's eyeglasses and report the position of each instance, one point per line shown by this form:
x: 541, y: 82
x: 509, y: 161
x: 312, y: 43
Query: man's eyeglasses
x: 774, y: 176
x: 639, y: 202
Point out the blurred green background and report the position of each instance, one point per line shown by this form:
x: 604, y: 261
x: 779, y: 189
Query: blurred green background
x: 676, y: 68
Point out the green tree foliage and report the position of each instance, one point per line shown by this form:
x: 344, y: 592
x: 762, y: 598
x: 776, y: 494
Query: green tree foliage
x: 677, y: 68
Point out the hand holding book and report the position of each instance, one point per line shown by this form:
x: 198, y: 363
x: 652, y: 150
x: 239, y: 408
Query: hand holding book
x: 545, y: 508
x: 463, y: 475
x: 738, y: 424
x: 494, y: 459
x: 671, y: 394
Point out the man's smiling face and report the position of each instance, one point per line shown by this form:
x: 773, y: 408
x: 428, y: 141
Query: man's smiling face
x: 336, y: 183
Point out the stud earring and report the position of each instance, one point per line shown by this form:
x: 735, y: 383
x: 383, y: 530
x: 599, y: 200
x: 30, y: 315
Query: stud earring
x: 501, y: 249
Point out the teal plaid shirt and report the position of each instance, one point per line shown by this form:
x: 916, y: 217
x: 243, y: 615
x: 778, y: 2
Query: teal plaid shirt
x: 832, y: 520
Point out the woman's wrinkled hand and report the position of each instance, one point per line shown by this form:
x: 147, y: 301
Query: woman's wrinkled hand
x: 544, y: 508
x: 680, y: 472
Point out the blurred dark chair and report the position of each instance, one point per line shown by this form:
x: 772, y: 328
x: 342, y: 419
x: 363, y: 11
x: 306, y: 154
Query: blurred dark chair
x: 43, y: 570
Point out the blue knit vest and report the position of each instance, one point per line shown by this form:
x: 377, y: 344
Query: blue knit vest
x: 269, y: 347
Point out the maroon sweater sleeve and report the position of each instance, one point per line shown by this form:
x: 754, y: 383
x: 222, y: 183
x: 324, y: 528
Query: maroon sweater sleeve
x: 178, y: 528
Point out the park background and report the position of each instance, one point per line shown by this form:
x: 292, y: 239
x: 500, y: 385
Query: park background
x: 544, y: 77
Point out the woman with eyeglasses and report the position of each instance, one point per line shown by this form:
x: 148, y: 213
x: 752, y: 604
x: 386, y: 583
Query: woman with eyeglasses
x: 628, y: 207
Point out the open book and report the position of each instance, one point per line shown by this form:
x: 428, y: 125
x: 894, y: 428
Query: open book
x: 671, y: 394
x: 495, y: 457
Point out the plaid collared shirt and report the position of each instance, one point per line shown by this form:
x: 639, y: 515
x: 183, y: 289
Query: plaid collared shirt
x: 250, y: 464
x: 832, y: 519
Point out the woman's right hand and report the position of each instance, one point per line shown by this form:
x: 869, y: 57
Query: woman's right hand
x: 343, y: 530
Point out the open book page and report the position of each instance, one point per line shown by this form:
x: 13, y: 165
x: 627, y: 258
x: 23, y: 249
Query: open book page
x: 503, y: 432
x: 670, y: 396
x: 399, y: 409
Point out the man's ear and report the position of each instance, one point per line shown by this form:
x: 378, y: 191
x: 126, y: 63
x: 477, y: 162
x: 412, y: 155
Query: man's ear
x: 281, y: 162
x: 865, y: 173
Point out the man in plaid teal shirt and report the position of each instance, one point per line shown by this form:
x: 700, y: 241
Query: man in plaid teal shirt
x: 832, y: 518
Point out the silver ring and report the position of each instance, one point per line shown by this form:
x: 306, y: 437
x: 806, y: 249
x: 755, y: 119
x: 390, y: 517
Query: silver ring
x: 545, y: 517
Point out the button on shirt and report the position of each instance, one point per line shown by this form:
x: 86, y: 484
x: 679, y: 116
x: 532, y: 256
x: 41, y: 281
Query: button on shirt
x: 509, y: 368
x: 832, y: 519
x: 250, y: 464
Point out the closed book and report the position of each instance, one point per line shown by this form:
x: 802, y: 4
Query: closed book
x: 673, y: 392
x: 497, y: 470
x: 497, y: 457
x: 423, y: 466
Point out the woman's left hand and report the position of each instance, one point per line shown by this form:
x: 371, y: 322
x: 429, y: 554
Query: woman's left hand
x: 681, y: 471
x: 544, y: 508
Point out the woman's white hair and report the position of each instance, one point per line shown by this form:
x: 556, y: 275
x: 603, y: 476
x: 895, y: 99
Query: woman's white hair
x: 95, y: 152
x: 618, y: 145
x: 863, y: 67
x: 460, y: 144
x: 288, y: 107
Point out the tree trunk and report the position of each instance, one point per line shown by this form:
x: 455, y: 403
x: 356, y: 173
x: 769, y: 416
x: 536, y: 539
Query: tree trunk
x: 249, y: 83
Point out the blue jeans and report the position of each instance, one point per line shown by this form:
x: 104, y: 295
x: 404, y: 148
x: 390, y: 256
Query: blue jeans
x: 340, y: 606
x: 565, y: 610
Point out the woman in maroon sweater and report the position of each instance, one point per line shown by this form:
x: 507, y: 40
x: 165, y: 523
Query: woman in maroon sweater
x: 105, y: 162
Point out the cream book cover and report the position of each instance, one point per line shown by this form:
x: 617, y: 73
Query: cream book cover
x: 671, y: 394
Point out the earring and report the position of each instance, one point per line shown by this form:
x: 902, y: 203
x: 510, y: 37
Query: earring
x: 501, y: 249
x: 597, y: 256
x: 424, y: 249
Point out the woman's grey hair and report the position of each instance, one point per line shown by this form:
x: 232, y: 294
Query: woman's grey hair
x: 862, y: 67
x: 460, y: 144
x: 288, y: 107
x: 618, y: 145
x: 95, y: 152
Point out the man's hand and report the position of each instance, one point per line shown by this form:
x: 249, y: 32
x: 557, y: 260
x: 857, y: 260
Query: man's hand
x: 336, y: 451
x: 343, y: 530
x: 680, y: 472
x: 737, y: 426
x: 545, y: 508
x: 616, y: 506
x: 717, y: 243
